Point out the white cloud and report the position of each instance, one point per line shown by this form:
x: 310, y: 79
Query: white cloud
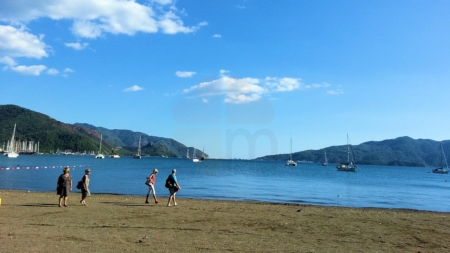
x: 133, y: 88
x: 246, y: 90
x: 34, y: 70
x: 68, y: 70
x: 282, y: 84
x: 8, y: 61
x: 217, y: 36
x: 92, y: 18
x: 313, y: 86
x: 16, y: 42
x: 52, y: 71
x: 185, y: 74
x: 77, y: 45
x: 335, y: 92
x: 235, y: 90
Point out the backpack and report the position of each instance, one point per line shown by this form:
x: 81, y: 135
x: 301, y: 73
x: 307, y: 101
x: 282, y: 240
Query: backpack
x: 80, y: 185
x: 169, y: 181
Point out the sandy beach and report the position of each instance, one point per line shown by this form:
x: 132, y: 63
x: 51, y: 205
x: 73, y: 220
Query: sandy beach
x: 33, y: 222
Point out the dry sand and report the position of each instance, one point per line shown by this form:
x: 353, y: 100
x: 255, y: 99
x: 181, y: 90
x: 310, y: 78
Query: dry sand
x: 33, y: 222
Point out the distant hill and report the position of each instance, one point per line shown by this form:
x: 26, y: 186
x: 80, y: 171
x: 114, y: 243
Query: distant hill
x: 54, y: 135
x: 402, y: 151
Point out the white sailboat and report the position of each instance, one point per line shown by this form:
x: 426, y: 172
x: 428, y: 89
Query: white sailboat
x: 325, y: 162
x: 11, y: 152
x: 291, y: 162
x: 350, y: 165
x: 187, y: 154
x: 138, y: 155
x: 194, y: 158
x: 442, y: 169
x: 100, y: 155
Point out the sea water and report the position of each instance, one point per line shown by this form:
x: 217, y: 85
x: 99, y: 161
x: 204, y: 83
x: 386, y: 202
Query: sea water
x: 266, y: 181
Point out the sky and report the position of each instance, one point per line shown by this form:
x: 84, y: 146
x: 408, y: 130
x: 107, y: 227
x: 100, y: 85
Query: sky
x: 235, y: 78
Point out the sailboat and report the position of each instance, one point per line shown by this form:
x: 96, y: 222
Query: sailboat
x: 100, y: 155
x: 11, y: 152
x: 442, y: 170
x: 194, y: 158
x: 187, y: 154
x: 203, y: 154
x: 291, y: 162
x: 350, y: 165
x: 138, y: 155
x: 325, y: 162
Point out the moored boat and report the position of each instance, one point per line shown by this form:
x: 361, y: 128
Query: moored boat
x: 350, y: 165
x: 444, y: 166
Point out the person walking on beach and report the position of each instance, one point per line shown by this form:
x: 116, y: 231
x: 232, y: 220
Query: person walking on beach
x: 151, y: 186
x: 85, y: 189
x: 64, y: 187
x: 172, y: 184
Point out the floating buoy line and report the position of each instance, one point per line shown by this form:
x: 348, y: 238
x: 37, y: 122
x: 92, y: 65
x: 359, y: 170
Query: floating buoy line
x: 18, y: 167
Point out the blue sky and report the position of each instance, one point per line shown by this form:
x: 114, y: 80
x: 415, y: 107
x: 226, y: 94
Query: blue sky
x: 238, y: 78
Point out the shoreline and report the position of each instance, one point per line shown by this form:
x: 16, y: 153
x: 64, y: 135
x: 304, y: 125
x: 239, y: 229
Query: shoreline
x: 237, y: 200
x: 32, y: 222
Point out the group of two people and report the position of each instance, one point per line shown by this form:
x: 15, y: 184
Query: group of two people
x: 171, y: 184
x: 64, y: 187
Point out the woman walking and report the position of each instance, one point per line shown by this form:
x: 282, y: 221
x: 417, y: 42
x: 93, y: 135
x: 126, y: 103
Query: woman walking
x: 85, y: 189
x: 151, y: 186
x: 64, y: 187
x: 172, y: 184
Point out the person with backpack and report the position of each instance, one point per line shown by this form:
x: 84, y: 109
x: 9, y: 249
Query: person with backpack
x: 151, y: 186
x: 85, y: 187
x: 173, y: 186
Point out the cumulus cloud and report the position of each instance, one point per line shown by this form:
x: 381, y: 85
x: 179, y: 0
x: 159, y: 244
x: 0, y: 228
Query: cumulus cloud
x: 77, y: 45
x: 133, y: 88
x: 17, y: 42
x: 282, y: 84
x: 52, y: 71
x: 68, y: 70
x: 34, y: 70
x: 184, y: 74
x: 92, y: 18
x: 235, y: 90
x: 217, y: 36
x: 246, y: 90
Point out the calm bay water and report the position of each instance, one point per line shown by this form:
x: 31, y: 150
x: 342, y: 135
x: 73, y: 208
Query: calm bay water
x: 370, y: 186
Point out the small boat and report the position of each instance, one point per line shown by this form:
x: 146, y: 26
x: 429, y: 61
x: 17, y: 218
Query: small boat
x: 203, y: 154
x: 100, y: 155
x: 138, y: 155
x: 350, y: 165
x: 442, y: 169
x: 187, y: 154
x: 11, y: 152
x: 325, y: 162
x: 291, y: 162
x: 114, y: 156
x: 195, y: 159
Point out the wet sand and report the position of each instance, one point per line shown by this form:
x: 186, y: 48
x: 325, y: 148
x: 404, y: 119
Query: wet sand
x: 33, y: 222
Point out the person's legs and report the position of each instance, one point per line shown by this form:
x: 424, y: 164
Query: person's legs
x: 60, y: 200
x: 83, y: 197
x: 154, y: 194
x: 65, y: 201
x: 174, y: 200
